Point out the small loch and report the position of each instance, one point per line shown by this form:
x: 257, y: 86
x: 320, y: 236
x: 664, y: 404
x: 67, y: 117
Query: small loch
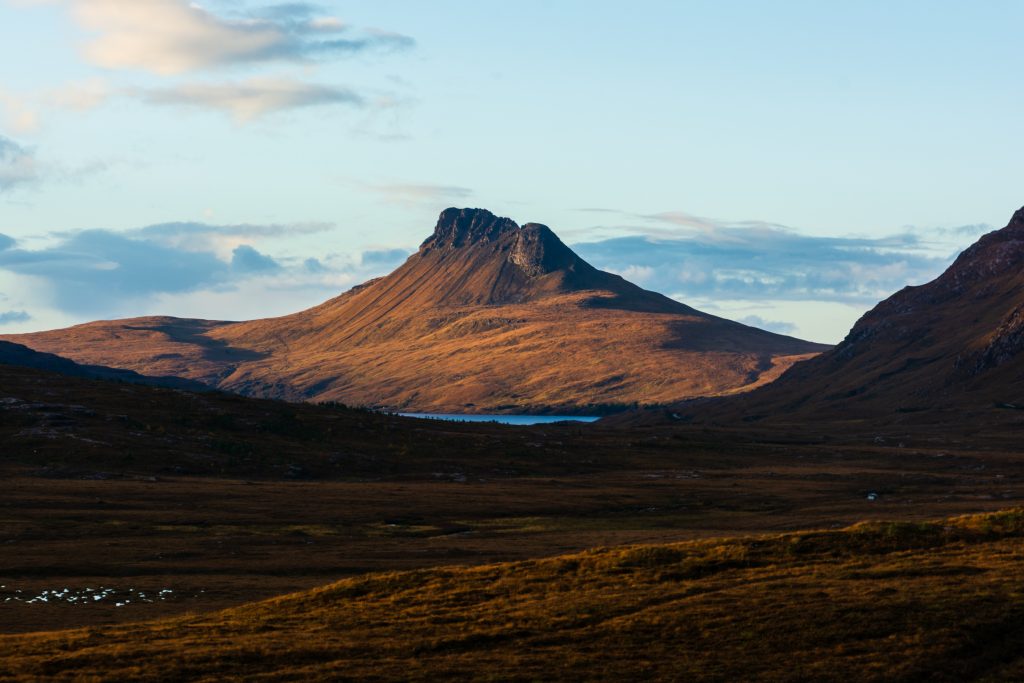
x: 520, y: 420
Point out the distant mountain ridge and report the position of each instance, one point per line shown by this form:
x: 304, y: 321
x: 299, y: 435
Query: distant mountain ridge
x: 24, y: 357
x: 486, y: 316
x: 949, y: 349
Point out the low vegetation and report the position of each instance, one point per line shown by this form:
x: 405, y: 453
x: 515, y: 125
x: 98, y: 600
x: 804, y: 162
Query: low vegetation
x: 876, y: 601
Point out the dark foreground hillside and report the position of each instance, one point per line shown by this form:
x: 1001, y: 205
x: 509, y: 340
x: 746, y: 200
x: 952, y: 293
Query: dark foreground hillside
x: 880, y: 601
x: 222, y: 500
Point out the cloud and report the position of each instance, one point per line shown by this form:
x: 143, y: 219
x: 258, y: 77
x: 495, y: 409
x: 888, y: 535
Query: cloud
x: 243, y: 100
x: 250, y: 99
x: 18, y: 165
x: 762, y: 261
x: 636, y: 274
x: 245, y: 259
x: 384, y: 257
x: 779, y: 326
x: 78, y: 96
x: 96, y: 266
x: 411, y: 193
x: 8, y: 317
x: 314, y: 266
x: 19, y: 114
x: 176, y: 36
x: 214, y: 268
x: 23, y: 112
x: 220, y: 239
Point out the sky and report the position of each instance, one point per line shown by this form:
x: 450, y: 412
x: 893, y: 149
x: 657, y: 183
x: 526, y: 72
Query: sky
x: 784, y: 164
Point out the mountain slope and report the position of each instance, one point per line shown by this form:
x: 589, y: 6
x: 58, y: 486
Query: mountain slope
x: 948, y: 349
x: 486, y: 316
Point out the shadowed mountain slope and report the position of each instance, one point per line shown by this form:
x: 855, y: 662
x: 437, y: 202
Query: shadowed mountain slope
x: 949, y: 349
x: 486, y: 316
x: 24, y: 357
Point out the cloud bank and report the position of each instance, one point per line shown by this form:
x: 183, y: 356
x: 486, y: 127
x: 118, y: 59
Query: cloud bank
x: 102, y: 273
x: 761, y: 261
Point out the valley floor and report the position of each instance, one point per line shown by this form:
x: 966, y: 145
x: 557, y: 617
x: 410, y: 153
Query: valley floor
x: 878, y: 601
x: 132, y: 517
x: 219, y: 542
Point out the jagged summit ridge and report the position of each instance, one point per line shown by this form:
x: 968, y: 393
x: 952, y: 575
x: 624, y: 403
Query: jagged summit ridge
x: 534, y: 248
x: 463, y: 227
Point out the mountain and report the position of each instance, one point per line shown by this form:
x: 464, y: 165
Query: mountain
x: 952, y: 349
x: 24, y: 357
x: 487, y: 316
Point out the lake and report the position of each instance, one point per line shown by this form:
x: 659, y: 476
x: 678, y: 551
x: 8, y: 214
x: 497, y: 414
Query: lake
x: 504, y: 419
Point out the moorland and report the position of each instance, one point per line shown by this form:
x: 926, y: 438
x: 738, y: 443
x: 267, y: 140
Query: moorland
x: 858, y: 518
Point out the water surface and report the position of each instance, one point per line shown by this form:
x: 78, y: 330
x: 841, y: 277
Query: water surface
x: 504, y: 419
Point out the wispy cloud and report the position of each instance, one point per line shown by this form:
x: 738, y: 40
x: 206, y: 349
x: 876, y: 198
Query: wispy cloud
x: 23, y: 112
x: 779, y: 326
x: 171, y: 38
x: 18, y: 165
x: 412, y: 193
x: 249, y: 99
x: 220, y: 239
x: 244, y: 100
x: 176, y: 36
x: 18, y: 113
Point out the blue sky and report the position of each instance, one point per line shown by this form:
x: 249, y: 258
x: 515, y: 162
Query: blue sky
x: 786, y: 164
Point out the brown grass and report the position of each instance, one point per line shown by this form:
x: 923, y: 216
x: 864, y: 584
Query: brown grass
x: 877, y: 601
x: 463, y: 325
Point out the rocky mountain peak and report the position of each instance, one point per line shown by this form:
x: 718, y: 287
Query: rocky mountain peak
x: 538, y: 251
x: 983, y: 271
x: 463, y: 227
x: 993, y: 254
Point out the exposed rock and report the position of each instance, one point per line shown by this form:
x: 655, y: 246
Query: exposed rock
x: 538, y: 251
x: 1006, y: 343
x: 461, y: 227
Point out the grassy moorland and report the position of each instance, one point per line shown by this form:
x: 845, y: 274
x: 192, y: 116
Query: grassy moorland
x: 226, y: 500
x: 875, y: 601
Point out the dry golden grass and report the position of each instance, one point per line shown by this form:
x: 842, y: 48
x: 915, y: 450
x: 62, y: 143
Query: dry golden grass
x: 480, y: 319
x: 558, y: 353
x: 877, y: 601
